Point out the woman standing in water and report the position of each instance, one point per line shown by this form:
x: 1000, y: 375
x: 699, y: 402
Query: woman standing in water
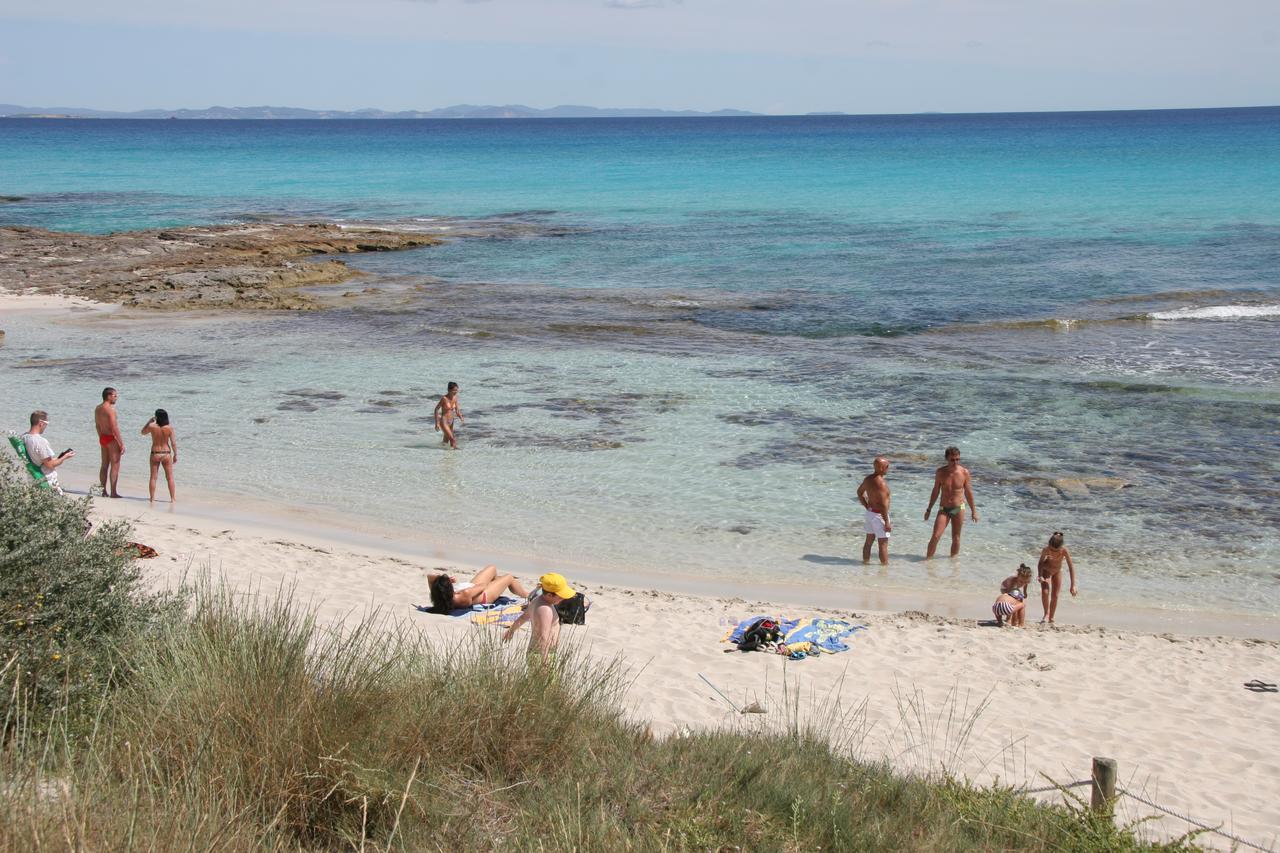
x: 446, y: 410
x: 164, y: 451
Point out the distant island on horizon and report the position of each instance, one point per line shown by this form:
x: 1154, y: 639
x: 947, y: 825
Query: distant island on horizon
x: 508, y: 111
x: 456, y: 111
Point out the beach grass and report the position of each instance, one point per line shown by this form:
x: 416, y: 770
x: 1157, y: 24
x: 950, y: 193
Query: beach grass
x: 243, y: 723
x: 250, y: 726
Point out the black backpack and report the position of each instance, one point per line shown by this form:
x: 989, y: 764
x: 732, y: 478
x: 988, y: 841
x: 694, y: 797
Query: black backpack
x: 761, y: 634
x: 573, y: 611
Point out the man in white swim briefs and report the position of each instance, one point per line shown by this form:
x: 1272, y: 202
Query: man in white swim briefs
x: 873, y: 494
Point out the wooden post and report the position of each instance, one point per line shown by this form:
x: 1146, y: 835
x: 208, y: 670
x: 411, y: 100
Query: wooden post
x: 1104, y: 784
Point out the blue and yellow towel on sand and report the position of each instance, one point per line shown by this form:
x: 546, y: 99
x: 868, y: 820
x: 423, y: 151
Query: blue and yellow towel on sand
x: 504, y: 611
x: 804, y: 636
x: 497, y: 613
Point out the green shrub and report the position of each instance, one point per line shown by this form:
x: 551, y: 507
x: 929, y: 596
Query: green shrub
x: 69, y: 602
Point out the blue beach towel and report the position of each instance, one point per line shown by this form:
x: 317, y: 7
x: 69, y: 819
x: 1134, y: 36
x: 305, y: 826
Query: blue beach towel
x: 459, y: 612
x: 826, y: 635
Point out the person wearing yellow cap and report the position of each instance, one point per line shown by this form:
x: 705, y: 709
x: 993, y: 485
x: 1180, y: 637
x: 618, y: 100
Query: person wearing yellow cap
x: 542, y: 616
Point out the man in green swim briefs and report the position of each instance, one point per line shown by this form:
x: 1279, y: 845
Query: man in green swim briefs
x: 951, y: 481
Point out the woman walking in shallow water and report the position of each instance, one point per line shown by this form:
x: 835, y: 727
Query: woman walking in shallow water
x: 164, y: 451
x: 446, y: 410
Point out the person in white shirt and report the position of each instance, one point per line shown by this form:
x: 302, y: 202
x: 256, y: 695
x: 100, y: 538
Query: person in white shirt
x: 39, y: 450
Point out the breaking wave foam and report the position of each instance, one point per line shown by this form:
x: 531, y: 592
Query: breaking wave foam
x: 1218, y: 312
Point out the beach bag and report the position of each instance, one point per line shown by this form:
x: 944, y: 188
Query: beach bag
x: 761, y: 634
x: 573, y: 611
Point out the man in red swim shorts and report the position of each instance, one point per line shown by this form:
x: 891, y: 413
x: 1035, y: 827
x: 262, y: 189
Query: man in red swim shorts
x: 109, y: 440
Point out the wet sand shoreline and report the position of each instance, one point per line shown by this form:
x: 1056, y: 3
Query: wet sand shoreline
x: 341, y: 530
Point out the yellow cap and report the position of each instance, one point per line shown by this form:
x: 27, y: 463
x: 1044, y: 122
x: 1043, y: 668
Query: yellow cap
x: 556, y: 585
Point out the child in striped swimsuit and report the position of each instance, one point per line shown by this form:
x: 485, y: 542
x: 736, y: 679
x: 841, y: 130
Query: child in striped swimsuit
x: 1011, y: 606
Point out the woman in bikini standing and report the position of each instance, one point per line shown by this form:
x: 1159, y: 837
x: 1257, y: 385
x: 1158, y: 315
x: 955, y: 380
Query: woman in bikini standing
x: 164, y: 451
x: 446, y: 410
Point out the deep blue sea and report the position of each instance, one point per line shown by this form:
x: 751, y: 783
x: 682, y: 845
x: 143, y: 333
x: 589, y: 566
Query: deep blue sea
x: 681, y: 341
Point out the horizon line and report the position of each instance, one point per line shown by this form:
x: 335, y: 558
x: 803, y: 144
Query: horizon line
x: 351, y: 115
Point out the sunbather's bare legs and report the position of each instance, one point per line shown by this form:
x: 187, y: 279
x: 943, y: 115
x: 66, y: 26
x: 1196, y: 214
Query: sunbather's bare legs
x: 503, y: 583
x: 485, y: 575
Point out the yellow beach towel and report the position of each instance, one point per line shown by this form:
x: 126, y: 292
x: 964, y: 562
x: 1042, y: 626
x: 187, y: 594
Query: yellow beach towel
x: 497, y: 615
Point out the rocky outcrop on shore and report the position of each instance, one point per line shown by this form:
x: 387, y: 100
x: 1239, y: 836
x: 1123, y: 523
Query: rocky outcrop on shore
x: 259, y: 266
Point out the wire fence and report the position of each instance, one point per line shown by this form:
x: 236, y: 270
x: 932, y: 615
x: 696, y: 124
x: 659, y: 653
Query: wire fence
x: 1100, y: 795
x: 1201, y: 825
x: 1198, y: 824
x: 1047, y: 788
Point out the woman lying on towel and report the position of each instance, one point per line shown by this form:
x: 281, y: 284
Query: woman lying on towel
x: 484, y: 588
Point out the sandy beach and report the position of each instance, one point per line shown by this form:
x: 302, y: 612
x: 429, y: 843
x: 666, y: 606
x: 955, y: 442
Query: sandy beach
x: 926, y: 693
x: 29, y: 302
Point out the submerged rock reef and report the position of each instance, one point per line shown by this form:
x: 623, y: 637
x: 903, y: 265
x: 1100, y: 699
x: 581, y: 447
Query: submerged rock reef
x: 260, y: 266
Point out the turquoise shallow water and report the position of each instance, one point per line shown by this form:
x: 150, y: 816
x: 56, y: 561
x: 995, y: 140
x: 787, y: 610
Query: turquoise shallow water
x: 682, y: 341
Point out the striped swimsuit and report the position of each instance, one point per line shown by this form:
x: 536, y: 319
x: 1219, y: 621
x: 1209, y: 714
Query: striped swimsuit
x: 1003, y: 609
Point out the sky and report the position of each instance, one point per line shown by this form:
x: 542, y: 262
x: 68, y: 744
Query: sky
x: 769, y: 56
